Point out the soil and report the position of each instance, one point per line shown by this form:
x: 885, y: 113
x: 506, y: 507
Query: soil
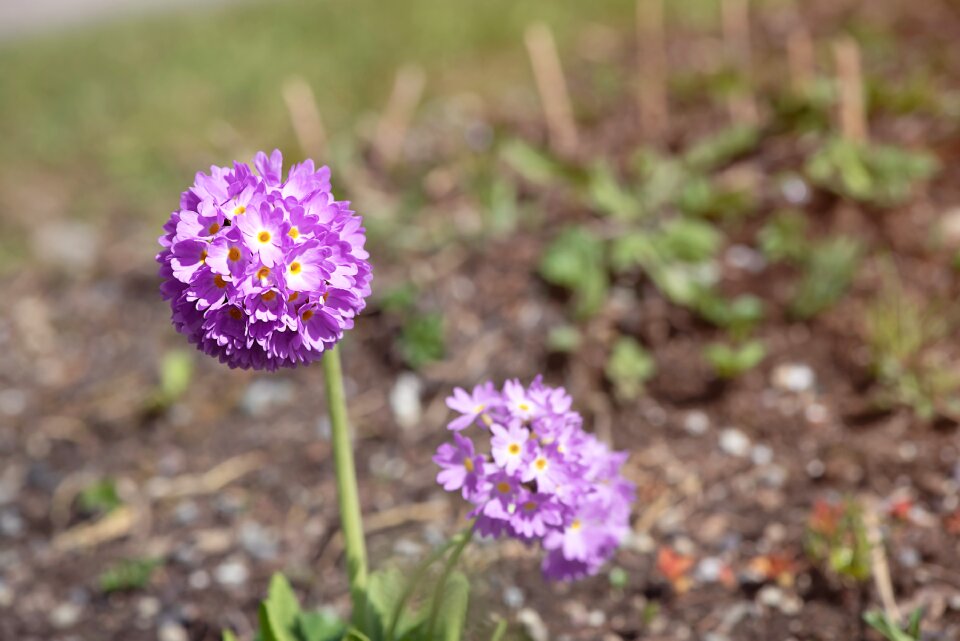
x: 234, y: 481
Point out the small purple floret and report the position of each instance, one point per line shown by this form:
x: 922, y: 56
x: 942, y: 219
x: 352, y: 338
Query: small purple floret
x: 260, y: 272
x: 542, y: 478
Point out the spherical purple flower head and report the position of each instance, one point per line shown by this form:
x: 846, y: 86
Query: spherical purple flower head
x: 260, y: 272
x: 538, y: 476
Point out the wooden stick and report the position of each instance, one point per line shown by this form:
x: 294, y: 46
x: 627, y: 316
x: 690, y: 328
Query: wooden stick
x: 552, y: 86
x: 736, y: 35
x: 652, y: 65
x: 878, y: 562
x: 851, y: 111
x: 800, y: 59
x: 392, y: 128
x: 305, y: 117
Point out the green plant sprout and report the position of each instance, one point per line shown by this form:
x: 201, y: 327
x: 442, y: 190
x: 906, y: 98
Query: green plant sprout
x: 892, y: 630
x: 629, y: 367
x: 903, y: 337
x: 731, y: 360
x: 837, y: 537
x: 827, y: 273
x: 783, y: 237
x: 128, y: 574
x: 100, y: 497
x: 880, y: 175
x: 575, y: 260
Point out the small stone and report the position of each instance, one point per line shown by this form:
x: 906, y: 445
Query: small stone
x: 816, y: 413
x: 950, y: 228
x: 709, y: 570
x: 596, y: 618
x: 171, y: 631
x: 745, y: 258
x: 186, y: 512
x: 232, y: 573
x: 65, y: 615
x: 907, y: 451
x: 513, y: 597
x: 405, y: 400
x: 210, y: 542
x: 774, y: 476
x: 258, y: 541
x: 815, y: 468
x: 761, y: 455
x: 696, y: 423
x: 199, y: 580
x: 148, y: 607
x: 793, y: 377
x: 734, y: 442
x: 770, y: 596
x: 908, y: 557
x: 264, y: 394
x: 408, y: 548
x: 795, y: 190
x: 11, y: 523
x: 533, y: 625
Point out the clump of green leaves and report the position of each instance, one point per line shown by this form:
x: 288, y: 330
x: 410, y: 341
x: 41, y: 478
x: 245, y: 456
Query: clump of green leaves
x: 629, y: 367
x: 828, y: 271
x: 175, y: 374
x: 422, y: 337
x: 784, y: 237
x: 903, y: 335
x: 575, y: 260
x: 837, y: 537
x: 100, y: 497
x: 128, y: 574
x: 282, y: 619
x: 881, y: 175
x: 730, y: 360
x: 892, y: 630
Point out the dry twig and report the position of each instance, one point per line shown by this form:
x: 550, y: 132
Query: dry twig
x: 552, y: 86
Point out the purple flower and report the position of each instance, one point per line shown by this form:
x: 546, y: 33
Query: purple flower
x: 508, y: 446
x: 471, y: 406
x: 260, y: 272
x: 462, y: 469
x: 543, y: 479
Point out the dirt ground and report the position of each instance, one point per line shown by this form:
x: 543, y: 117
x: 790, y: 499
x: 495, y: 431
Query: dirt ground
x: 234, y: 481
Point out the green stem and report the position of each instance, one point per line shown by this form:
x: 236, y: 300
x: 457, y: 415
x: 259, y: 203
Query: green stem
x: 351, y: 522
x: 447, y: 571
x: 411, y: 585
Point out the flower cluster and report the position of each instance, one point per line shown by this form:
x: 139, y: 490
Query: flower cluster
x: 544, y: 479
x: 261, y: 272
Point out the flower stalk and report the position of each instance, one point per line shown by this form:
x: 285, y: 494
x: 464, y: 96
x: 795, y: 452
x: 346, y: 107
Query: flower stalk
x: 349, y: 499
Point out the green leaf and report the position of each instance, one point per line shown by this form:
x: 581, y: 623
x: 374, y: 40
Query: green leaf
x: 176, y: 372
x: 721, y: 148
x: 828, y: 272
x: 228, y: 636
x: 633, y: 249
x: 533, y: 164
x: 784, y: 237
x: 499, y: 631
x: 384, y: 592
x: 354, y: 634
x: 129, y: 574
x: 99, y: 496
x: 606, y: 194
x: 730, y: 361
x: 575, y: 260
x: 690, y: 241
x: 278, y: 614
x: 564, y: 339
x: 422, y: 339
x: 629, y: 367
x: 319, y: 626
x: 453, y: 609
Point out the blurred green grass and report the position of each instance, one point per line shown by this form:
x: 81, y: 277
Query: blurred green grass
x: 123, y: 114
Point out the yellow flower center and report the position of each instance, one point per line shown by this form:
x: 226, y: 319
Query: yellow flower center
x: 503, y: 487
x: 268, y: 296
x: 540, y: 463
x: 529, y: 506
x: 307, y: 315
x: 576, y: 525
x: 219, y: 282
x: 514, y: 449
x: 239, y: 209
x: 203, y: 256
x: 295, y: 267
x: 214, y: 228
x: 235, y: 313
x: 467, y: 463
x: 293, y: 296
x: 264, y: 236
x: 293, y: 233
x: 523, y: 406
x: 234, y: 254
x: 263, y: 272
x: 479, y: 408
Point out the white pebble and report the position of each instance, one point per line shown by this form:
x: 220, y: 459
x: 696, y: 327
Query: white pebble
x: 231, y: 573
x: 793, y: 377
x: 405, y: 400
x: 734, y: 442
x: 696, y: 423
x: 761, y: 455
